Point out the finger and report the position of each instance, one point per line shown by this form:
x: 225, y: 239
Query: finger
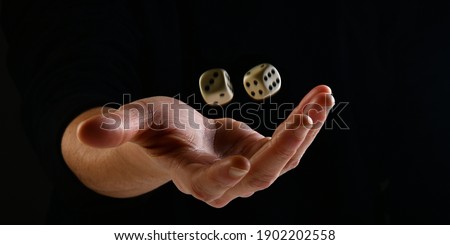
x: 209, y: 182
x: 269, y: 161
x: 246, y: 195
x: 319, y: 107
x: 322, y: 104
x: 312, y: 93
x: 113, y: 127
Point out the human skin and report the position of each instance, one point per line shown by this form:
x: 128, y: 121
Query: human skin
x: 214, y: 160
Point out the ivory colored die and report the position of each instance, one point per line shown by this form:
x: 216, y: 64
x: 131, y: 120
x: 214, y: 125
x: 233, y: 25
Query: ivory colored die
x: 262, y: 81
x: 215, y: 87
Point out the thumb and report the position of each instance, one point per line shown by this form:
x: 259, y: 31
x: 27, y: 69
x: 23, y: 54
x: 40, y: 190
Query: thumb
x: 111, y: 129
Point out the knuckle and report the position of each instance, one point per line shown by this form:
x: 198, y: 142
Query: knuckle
x: 261, y: 181
x: 221, y: 185
x: 200, y: 192
x: 291, y: 165
x: 282, y: 151
x: 246, y: 195
x: 219, y: 203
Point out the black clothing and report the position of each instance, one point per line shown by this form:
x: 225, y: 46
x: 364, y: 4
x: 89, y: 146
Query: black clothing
x: 389, y: 61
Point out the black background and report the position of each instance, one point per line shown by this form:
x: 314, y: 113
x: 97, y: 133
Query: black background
x: 413, y: 147
x: 24, y: 187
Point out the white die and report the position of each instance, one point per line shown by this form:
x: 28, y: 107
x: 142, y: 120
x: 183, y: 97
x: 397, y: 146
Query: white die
x: 215, y: 87
x: 262, y: 81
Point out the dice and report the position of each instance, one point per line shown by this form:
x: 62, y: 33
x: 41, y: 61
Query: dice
x: 262, y: 81
x: 215, y: 87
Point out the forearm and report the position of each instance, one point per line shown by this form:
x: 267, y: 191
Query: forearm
x: 123, y: 171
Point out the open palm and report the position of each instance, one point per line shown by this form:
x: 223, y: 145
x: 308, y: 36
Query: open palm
x: 215, y: 160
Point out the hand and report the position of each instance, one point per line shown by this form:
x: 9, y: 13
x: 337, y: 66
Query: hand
x: 214, y: 160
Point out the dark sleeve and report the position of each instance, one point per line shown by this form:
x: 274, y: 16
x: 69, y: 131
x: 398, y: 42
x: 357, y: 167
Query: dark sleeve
x: 66, y: 57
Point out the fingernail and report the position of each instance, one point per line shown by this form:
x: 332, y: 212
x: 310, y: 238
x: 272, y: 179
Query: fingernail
x: 309, y: 120
x: 331, y: 99
x: 237, y: 172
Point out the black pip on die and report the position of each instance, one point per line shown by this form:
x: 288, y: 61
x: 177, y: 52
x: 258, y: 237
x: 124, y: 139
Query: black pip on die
x: 262, y: 81
x: 215, y: 87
